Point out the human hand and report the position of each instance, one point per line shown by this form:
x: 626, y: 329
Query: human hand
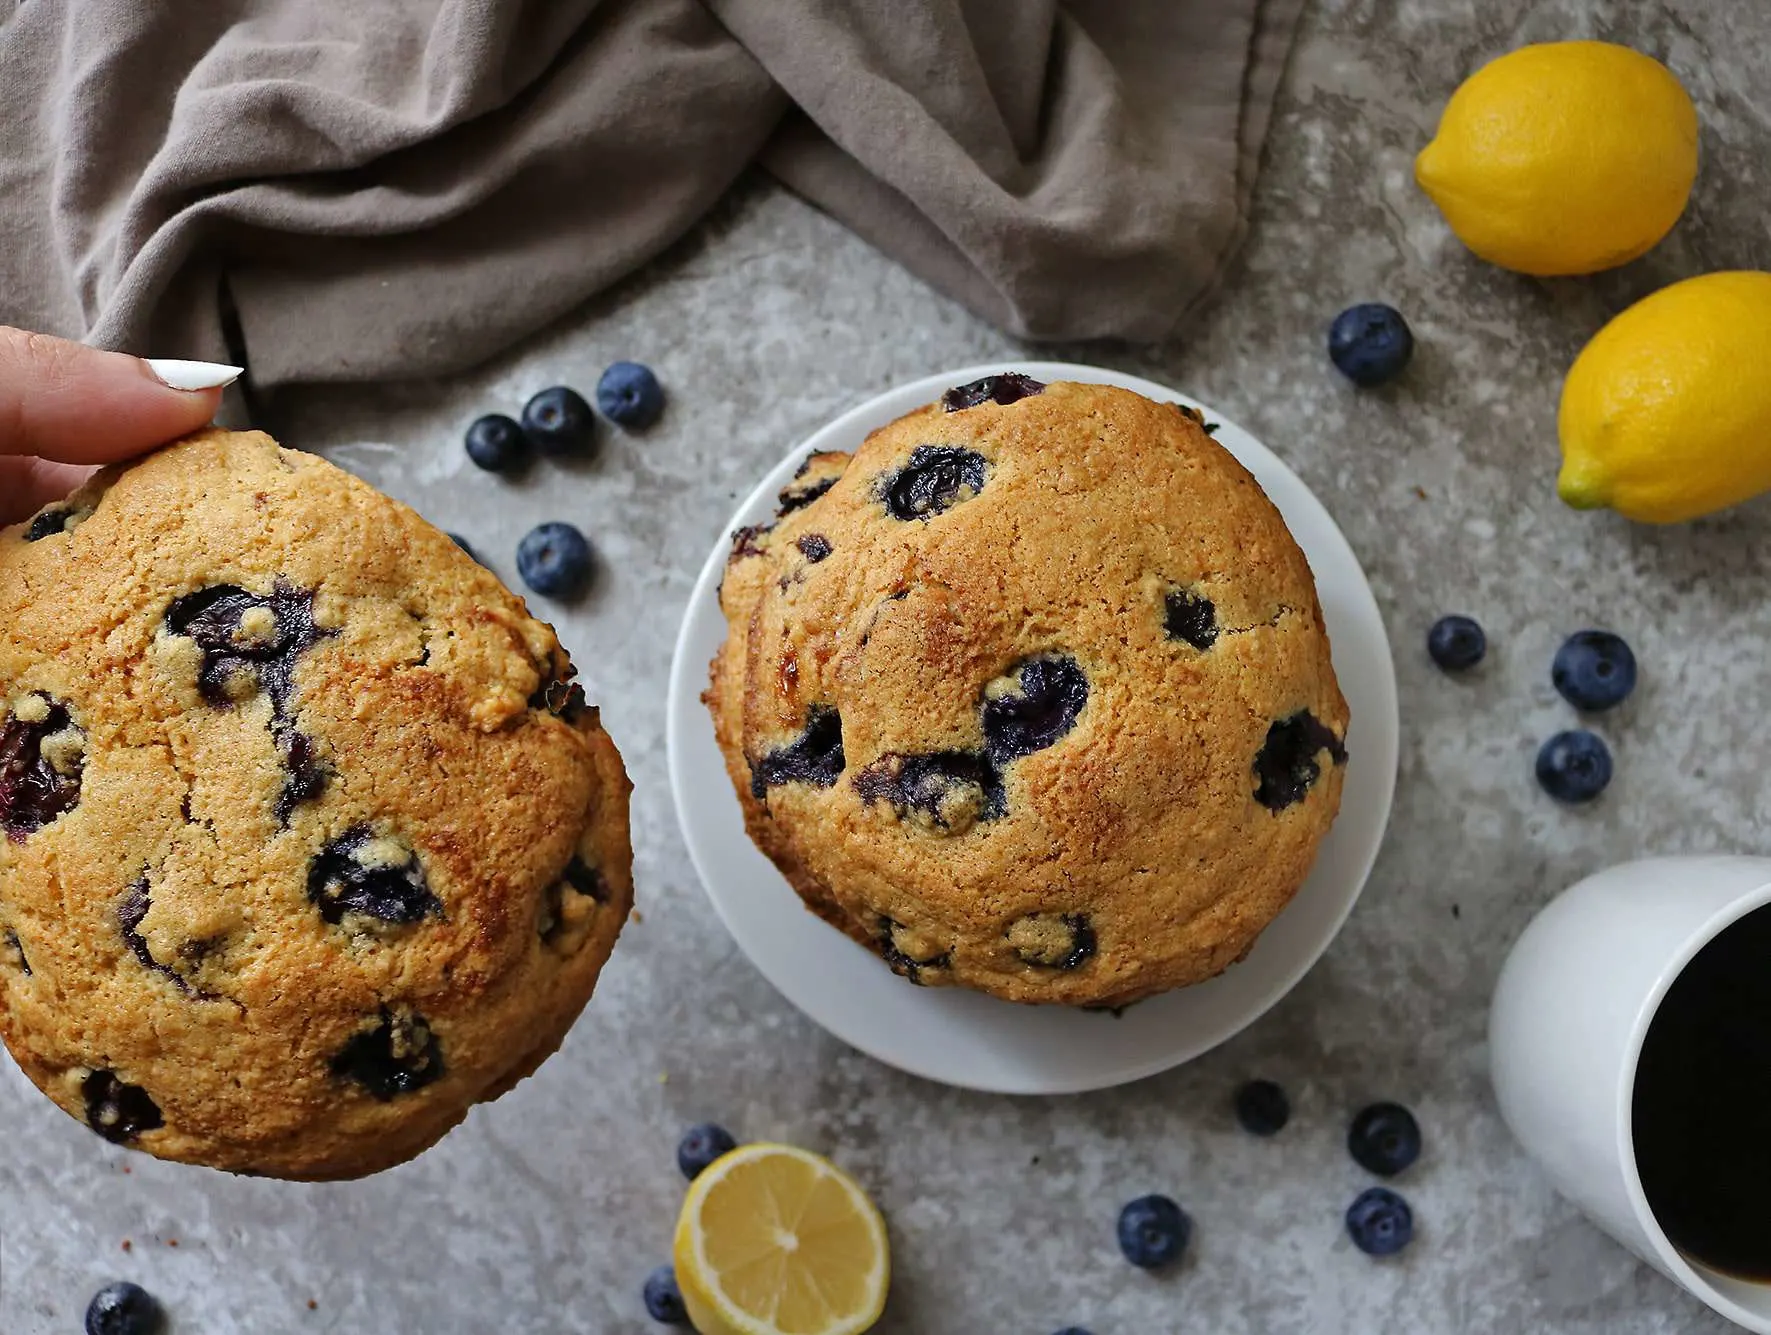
x: 66, y: 408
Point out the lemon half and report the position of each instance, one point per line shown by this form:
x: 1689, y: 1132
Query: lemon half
x: 774, y: 1240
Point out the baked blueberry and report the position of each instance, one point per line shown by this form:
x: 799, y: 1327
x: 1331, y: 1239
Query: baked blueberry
x: 377, y: 876
x: 132, y: 910
x: 554, y: 559
x: 815, y: 757
x: 796, y: 495
x: 124, y: 1309
x: 1384, y: 1139
x: 933, y: 479
x: 1380, y: 1222
x: 1191, y: 618
x: 563, y: 699
x: 579, y: 876
x: 117, y: 1111
x: 1370, y: 343
x: 664, y: 1300
x: 249, y: 641
x: 1006, y: 388
x: 497, y: 443
x: 559, y: 421
x: 946, y: 792
x: 1286, y: 767
x: 1153, y: 1232
x: 1053, y: 940
x: 1594, y: 670
x: 630, y: 395
x: 814, y: 547
x: 47, y: 523
x: 15, y: 952
x: 1033, y: 706
x: 304, y: 775
x: 700, y: 1146
x: 398, y: 1055
x: 747, y: 541
x: 1262, y: 1108
x: 1456, y: 643
x: 907, y: 952
x: 42, y: 759
x: 1574, y: 766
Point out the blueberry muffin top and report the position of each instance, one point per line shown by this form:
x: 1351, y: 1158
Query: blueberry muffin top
x: 307, y: 840
x: 1033, y: 695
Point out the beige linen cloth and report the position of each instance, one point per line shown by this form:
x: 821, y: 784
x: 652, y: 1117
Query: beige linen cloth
x: 371, y: 189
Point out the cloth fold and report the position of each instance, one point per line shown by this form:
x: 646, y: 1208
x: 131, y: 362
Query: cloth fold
x: 379, y: 189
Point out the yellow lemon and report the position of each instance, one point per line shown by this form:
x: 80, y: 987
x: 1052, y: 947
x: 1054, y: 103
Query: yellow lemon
x: 1563, y: 158
x: 1666, y: 414
x: 774, y: 1240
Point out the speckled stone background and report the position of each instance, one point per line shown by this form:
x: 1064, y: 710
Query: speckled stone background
x: 545, y: 1212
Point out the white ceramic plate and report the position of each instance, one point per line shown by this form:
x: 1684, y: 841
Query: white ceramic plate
x: 964, y: 1038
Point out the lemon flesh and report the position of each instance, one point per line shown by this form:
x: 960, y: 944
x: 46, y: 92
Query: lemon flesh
x: 774, y: 1240
x: 1563, y: 157
x: 1666, y: 414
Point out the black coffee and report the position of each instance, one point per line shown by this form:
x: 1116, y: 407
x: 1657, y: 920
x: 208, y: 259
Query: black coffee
x: 1703, y: 1104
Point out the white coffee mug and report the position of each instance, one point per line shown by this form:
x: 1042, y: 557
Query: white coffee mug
x: 1571, y: 1010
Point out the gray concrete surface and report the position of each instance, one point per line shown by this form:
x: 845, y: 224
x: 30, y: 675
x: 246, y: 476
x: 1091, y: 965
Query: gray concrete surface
x: 546, y: 1210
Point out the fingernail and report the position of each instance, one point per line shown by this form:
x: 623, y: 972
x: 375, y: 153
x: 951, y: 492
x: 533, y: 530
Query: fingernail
x: 176, y: 374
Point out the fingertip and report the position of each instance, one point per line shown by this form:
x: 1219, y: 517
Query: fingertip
x: 63, y: 400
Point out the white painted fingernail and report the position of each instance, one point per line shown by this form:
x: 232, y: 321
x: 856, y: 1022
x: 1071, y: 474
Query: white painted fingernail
x: 176, y: 374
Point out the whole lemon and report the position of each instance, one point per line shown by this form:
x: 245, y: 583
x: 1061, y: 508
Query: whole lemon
x: 1563, y: 158
x: 1666, y: 414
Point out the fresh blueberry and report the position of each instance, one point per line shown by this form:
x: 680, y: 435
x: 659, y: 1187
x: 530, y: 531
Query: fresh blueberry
x: 1594, y: 670
x: 124, y: 1309
x: 1380, y: 1222
x: 1153, y: 1232
x: 1262, y: 1108
x: 630, y: 395
x: 1574, y: 766
x: 554, y: 559
x: 700, y: 1146
x: 1286, y: 767
x: 559, y: 421
x: 497, y: 443
x: 1384, y: 1139
x: 1456, y: 643
x: 664, y: 1300
x: 1370, y: 343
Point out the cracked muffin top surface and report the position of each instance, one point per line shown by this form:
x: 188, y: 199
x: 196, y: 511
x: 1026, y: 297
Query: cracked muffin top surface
x: 308, y: 842
x: 1033, y: 695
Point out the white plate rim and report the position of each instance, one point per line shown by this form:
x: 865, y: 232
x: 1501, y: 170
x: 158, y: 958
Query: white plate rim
x: 814, y: 985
